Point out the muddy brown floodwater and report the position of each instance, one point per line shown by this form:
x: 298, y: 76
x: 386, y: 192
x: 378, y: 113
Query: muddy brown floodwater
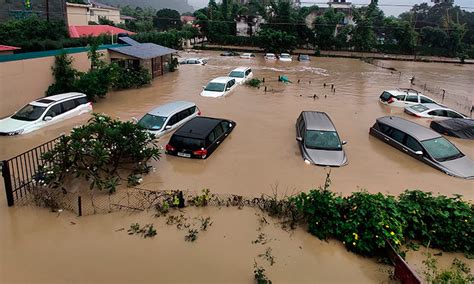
x: 259, y: 156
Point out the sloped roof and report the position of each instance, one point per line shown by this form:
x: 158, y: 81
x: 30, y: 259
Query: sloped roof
x: 8, y: 48
x: 144, y: 50
x: 103, y: 6
x: 128, y: 41
x: 95, y: 30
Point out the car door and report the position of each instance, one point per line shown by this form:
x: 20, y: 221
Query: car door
x: 453, y: 114
x: 411, y: 146
x: 438, y: 113
x: 411, y: 100
x: 69, y: 109
x: 55, y: 112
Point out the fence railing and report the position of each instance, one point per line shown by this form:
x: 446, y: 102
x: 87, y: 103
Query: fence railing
x: 19, y: 172
x: 403, y: 271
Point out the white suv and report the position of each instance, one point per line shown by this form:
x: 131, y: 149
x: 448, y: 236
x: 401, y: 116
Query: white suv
x: 44, y: 112
x: 404, y: 98
x: 219, y: 87
x: 241, y: 74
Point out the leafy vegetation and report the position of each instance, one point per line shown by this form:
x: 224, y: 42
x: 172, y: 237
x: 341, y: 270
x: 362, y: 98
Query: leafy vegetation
x: 99, y: 152
x: 459, y: 272
x: 254, y: 82
x: 147, y: 231
x: 259, y: 275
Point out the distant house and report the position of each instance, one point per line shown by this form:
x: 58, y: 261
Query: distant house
x: 188, y: 20
x: 95, y: 30
x: 248, y: 26
x: 6, y: 49
x: 83, y: 14
x: 127, y: 19
x: 153, y: 57
x: 339, y: 6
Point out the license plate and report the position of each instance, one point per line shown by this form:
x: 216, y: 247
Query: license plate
x: 184, y: 155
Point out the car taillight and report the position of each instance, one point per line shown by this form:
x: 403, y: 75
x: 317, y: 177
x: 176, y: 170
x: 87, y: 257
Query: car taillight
x: 391, y: 100
x: 199, y: 112
x: 202, y: 152
x: 89, y: 104
x: 170, y: 148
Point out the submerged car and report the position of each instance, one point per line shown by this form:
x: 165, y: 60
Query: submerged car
x: 247, y: 56
x: 230, y: 53
x: 404, y: 98
x: 270, y: 56
x: 303, y: 57
x: 423, y: 144
x: 432, y: 111
x: 219, y: 87
x: 241, y: 74
x: 285, y: 57
x: 199, y: 137
x: 168, y: 117
x: 318, y: 140
x: 194, y: 61
x: 456, y: 127
x: 44, y: 112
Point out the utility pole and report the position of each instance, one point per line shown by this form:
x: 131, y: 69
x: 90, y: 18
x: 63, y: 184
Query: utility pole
x: 47, y: 10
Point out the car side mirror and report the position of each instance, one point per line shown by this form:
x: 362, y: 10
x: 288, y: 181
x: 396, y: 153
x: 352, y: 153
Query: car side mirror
x: 227, y: 89
x: 300, y: 139
x: 344, y: 142
x: 203, y: 87
x: 134, y: 119
x: 47, y: 118
x: 419, y: 153
x: 167, y: 127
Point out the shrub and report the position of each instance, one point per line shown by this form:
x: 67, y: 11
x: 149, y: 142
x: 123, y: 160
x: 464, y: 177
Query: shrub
x: 97, y: 151
x: 128, y: 78
x: 96, y: 82
x: 64, y: 75
x: 254, y: 82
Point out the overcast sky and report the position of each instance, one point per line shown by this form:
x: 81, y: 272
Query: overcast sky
x: 389, y: 10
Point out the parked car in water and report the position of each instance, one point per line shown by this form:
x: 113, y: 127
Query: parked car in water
x: 199, y: 137
x: 44, y: 112
x: 423, y: 144
x: 403, y: 98
x: 318, y: 140
x: 303, y: 57
x: 247, y: 56
x: 168, y: 117
x: 285, y: 57
x: 270, y: 56
x: 241, y: 74
x: 194, y: 61
x: 219, y: 87
x: 432, y: 111
x: 230, y: 53
x: 457, y: 127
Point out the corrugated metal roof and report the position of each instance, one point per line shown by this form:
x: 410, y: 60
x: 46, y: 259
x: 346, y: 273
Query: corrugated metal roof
x: 128, y: 40
x: 8, y: 48
x: 95, y: 30
x: 144, y: 50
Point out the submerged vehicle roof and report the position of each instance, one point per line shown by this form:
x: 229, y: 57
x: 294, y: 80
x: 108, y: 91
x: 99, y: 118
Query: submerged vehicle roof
x: 198, y: 127
x: 316, y: 120
x: 170, y: 108
x: 46, y: 101
x: 415, y: 130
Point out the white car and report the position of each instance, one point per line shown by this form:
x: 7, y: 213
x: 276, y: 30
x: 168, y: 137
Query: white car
x: 404, y: 98
x: 168, y: 117
x: 194, y: 61
x: 247, y: 55
x: 270, y: 56
x: 432, y: 111
x: 45, y: 111
x: 241, y: 74
x: 285, y: 57
x: 219, y: 87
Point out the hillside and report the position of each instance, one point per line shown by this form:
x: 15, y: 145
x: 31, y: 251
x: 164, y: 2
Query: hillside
x: 180, y: 5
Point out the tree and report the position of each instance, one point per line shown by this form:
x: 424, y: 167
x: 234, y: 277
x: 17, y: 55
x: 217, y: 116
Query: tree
x: 433, y: 37
x: 166, y: 19
x: 366, y: 18
x: 325, y: 28
x: 276, y: 41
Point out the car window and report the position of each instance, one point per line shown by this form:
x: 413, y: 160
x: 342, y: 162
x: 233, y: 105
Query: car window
x: 401, y: 97
x: 225, y: 125
x: 385, y: 96
x: 54, y: 110
x: 453, y: 114
x: 186, y: 142
x: 438, y: 112
x: 385, y: 129
x: 397, y: 135
x: 412, y: 144
x: 412, y: 98
x: 29, y: 113
x: 152, y: 122
x: 81, y: 101
x: 173, y: 120
x: 212, y: 137
x: 441, y: 149
x: 68, y: 105
x: 425, y: 100
x: 322, y: 140
x: 218, y: 131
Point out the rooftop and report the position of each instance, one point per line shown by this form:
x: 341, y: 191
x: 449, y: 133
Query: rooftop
x: 48, y: 100
x: 95, y: 30
x: 144, y: 50
x: 8, y: 48
x: 198, y: 127
x: 170, y: 108
x: 221, y: 79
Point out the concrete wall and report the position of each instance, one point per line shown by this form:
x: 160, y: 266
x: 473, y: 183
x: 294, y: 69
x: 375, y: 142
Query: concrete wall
x: 23, y: 81
x: 77, y: 16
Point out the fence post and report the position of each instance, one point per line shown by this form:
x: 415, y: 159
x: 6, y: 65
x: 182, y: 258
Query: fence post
x: 79, y: 206
x: 7, y: 179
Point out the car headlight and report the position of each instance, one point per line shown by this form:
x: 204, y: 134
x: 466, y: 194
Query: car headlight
x: 15, y: 132
x: 308, y: 162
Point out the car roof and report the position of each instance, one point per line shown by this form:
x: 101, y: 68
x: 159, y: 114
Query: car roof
x: 241, y: 69
x: 247, y: 53
x: 316, y: 120
x: 435, y: 106
x: 198, y: 127
x: 413, y: 129
x: 285, y: 54
x: 222, y: 79
x: 46, y: 101
x: 170, y: 108
x: 402, y: 91
x: 269, y: 53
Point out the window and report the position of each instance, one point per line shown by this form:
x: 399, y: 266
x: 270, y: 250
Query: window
x: 54, y: 110
x: 211, y: 137
x: 412, y: 98
x: 453, y: 114
x: 412, y: 144
x: 323, y: 140
x: 218, y: 131
x: 173, y: 120
x: 215, y: 87
x: 397, y: 135
x: 248, y: 72
x: 68, y: 105
x: 385, y: 129
x: 152, y: 122
x: 401, y: 97
x: 438, y: 112
x: 441, y: 149
x: 237, y: 74
x: 29, y: 113
x: 81, y: 101
x: 186, y: 142
x: 425, y: 100
x: 225, y: 125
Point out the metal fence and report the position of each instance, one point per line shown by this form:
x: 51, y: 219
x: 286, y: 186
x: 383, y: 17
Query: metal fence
x: 403, y: 271
x: 19, y: 172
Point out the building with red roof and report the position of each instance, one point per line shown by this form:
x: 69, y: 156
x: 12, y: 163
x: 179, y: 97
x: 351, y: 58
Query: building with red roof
x: 6, y: 49
x: 95, y: 30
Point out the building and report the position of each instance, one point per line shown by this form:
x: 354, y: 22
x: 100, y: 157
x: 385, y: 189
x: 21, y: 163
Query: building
x: 248, y: 26
x: 83, y: 14
x: 46, y: 9
x: 188, y: 20
x: 339, y: 6
x: 95, y: 30
x: 150, y: 56
x: 6, y: 49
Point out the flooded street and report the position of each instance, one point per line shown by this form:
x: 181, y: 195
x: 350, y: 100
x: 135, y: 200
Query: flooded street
x: 260, y: 156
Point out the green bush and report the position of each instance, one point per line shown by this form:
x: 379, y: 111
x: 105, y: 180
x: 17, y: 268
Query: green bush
x: 95, y: 83
x: 254, y: 82
x: 64, y: 75
x: 128, y: 78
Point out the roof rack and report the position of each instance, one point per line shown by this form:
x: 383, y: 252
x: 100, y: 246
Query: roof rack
x: 409, y: 90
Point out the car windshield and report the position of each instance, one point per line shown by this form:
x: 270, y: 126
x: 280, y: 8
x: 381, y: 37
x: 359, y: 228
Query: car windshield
x: 441, y: 149
x: 304, y: 57
x: 215, y: 87
x: 236, y: 74
x: 29, y: 113
x: 152, y: 122
x: 285, y: 56
x: 419, y: 108
x: 186, y: 143
x: 322, y: 140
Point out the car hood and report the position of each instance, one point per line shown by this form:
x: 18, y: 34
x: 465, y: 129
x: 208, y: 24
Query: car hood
x: 462, y: 167
x: 9, y: 124
x: 212, y: 94
x: 238, y: 80
x: 285, y: 59
x: 326, y: 157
